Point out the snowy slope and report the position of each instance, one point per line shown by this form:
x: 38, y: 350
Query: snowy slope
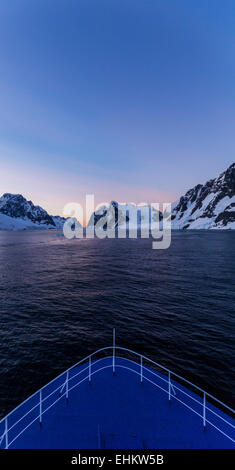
x: 208, y: 206
x: 58, y: 221
x: 16, y: 213
x: 11, y: 223
x: 130, y: 215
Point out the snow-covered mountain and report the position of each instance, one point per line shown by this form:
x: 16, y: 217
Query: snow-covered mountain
x: 58, y: 221
x: 126, y: 215
x: 208, y: 206
x: 16, y: 213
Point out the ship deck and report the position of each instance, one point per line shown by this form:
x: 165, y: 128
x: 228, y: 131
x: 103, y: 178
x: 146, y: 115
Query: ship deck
x: 116, y: 411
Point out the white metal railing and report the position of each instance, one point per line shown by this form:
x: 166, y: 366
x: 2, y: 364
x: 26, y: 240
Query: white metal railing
x: 173, y: 390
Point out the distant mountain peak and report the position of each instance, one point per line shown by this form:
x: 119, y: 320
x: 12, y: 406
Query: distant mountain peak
x: 125, y: 215
x: 17, y: 206
x: 208, y: 206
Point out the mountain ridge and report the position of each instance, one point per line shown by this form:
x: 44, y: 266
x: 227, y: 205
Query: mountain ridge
x: 205, y: 206
x: 16, y: 213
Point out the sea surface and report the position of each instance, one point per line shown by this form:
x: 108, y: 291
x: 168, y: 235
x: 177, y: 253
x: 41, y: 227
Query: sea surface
x: 60, y: 299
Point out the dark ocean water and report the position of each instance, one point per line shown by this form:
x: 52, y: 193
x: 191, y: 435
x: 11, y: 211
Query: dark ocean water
x: 59, y: 300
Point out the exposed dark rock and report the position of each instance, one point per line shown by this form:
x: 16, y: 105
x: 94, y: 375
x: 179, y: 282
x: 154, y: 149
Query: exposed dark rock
x: 208, y: 201
x: 16, y: 206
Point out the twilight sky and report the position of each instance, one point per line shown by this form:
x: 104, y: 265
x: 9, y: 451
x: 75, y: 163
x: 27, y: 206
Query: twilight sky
x: 131, y: 100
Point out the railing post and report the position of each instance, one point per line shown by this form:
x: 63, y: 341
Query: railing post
x: 6, y: 433
x: 40, y: 407
x: 204, y: 409
x: 67, y: 385
x: 113, y: 350
x: 169, y: 385
x: 141, y: 369
x: 90, y: 369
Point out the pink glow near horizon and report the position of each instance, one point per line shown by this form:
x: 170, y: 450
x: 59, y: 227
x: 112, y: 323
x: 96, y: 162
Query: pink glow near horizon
x: 53, y: 191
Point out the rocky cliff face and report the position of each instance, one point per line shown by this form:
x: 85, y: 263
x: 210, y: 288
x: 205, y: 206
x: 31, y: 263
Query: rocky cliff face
x: 208, y: 206
x: 126, y: 215
x: 17, y: 207
x: 16, y: 213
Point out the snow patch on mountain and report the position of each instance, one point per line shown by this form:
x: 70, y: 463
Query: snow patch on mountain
x: 16, y: 206
x: 130, y: 216
x: 58, y: 221
x: 16, y: 213
x: 208, y: 206
x: 15, y: 224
